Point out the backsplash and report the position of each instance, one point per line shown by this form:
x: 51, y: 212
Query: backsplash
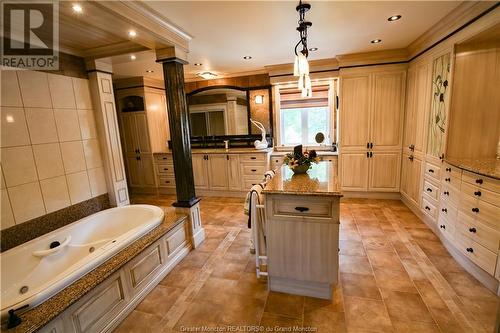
x: 50, y: 155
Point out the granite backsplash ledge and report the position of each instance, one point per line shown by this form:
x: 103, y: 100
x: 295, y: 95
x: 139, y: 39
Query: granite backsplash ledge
x: 24, y: 232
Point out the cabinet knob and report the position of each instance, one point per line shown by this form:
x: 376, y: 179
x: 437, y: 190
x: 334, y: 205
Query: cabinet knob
x: 302, y: 209
x: 479, y: 181
x: 475, y: 210
x: 477, y: 193
x: 371, y: 145
x: 431, y: 170
x: 227, y: 157
x: 469, y: 249
x: 446, y: 193
x: 473, y: 230
x: 448, y: 169
x: 429, y: 189
x: 442, y: 226
x: 367, y: 145
x: 427, y: 207
x: 410, y: 158
x: 447, y: 179
x: 444, y: 210
x: 411, y: 147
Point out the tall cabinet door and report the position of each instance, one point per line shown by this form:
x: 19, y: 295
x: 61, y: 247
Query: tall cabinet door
x: 354, y: 171
x: 129, y: 133
x: 422, y: 105
x: 218, y: 171
x: 387, y: 111
x: 409, y: 127
x: 355, y: 112
x: 234, y: 172
x: 200, y: 171
x: 385, y: 171
x: 141, y: 122
x: 147, y: 170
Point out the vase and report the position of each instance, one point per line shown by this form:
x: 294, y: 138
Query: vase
x: 301, y: 168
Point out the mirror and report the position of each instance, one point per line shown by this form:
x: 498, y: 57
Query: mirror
x: 226, y: 111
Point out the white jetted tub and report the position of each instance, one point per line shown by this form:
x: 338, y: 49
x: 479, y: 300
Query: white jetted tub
x: 33, y: 271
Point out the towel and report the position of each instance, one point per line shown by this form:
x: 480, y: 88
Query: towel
x: 269, y: 174
x: 248, y: 201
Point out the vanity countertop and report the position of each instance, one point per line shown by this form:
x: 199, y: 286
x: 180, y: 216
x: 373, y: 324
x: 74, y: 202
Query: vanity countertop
x: 489, y: 167
x: 223, y: 151
x: 320, y: 180
x: 319, y: 152
x: 34, y: 319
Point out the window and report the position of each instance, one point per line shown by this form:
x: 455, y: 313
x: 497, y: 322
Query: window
x: 300, y: 119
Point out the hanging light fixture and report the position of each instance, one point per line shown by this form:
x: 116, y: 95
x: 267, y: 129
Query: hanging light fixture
x: 300, y: 65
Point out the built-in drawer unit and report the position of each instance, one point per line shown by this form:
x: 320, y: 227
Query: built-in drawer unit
x: 448, y: 210
x: 450, y: 194
x: 164, y: 158
x: 165, y: 181
x: 479, y: 232
x: 253, y: 170
x: 481, y: 210
x: 446, y: 228
x: 165, y: 169
x: 432, y: 171
x: 480, y: 193
x: 481, y: 181
x: 253, y: 158
x: 431, y: 190
x: 451, y: 171
x: 428, y: 207
x: 302, y: 208
x: 480, y: 255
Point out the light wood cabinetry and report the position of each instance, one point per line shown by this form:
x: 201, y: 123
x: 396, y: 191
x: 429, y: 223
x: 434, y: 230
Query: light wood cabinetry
x: 144, y: 129
x: 411, y: 172
x: 200, y: 171
x: 218, y: 166
x: 371, y: 133
x: 234, y: 177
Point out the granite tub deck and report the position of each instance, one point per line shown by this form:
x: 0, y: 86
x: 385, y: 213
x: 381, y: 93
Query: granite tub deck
x: 39, y: 316
x: 489, y: 167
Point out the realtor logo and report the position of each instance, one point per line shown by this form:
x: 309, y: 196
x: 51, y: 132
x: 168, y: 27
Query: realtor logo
x: 30, y: 35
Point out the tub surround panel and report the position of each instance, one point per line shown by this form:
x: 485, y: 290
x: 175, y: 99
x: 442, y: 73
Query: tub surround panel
x: 21, y: 233
x: 41, y: 315
x: 49, y: 138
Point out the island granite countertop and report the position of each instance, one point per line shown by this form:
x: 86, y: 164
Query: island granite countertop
x: 222, y: 151
x: 320, y: 180
x: 489, y: 167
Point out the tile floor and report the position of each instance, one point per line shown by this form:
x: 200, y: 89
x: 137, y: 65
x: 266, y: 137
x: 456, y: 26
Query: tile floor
x: 395, y: 276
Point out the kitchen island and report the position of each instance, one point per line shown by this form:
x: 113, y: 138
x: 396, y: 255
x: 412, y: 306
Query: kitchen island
x: 302, y: 230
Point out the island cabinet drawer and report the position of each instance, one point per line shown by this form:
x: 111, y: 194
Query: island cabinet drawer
x: 448, y: 210
x: 253, y: 170
x: 166, y: 181
x: 319, y: 208
x: 477, y: 231
x: 450, y: 194
x: 165, y: 169
x: 450, y: 170
x: 246, y: 158
x: 446, y: 228
x: 481, y: 210
x: 480, y: 255
x: 481, y: 193
x: 428, y: 207
x: 450, y: 180
x: 431, y: 190
x: 432, y: 171
x: 164, y: 158
x: 481, y: 181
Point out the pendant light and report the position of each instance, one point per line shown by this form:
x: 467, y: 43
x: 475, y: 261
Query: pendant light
x: 301, y: 65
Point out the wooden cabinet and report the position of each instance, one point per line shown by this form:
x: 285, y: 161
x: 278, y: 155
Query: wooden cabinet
x: 234, y: 173
x: 200, y: 171
x: 371, y: 128
x: 218, y: 165
x: 411, y: 176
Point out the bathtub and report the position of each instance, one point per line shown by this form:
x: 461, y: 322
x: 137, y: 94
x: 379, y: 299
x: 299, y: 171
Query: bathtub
x: 33, y: 272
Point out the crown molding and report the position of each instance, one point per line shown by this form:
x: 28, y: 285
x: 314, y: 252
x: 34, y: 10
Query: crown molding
x: 372, y: 58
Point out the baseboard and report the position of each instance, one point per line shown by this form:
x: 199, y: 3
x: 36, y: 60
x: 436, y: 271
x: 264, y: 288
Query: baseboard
x: 486, y: 279
x: 199, y: 237
x: 372, y: 195
x: 304, y: 288
x: 231, y: 194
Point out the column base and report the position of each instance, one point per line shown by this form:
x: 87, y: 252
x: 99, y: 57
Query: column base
x: 197, y: 232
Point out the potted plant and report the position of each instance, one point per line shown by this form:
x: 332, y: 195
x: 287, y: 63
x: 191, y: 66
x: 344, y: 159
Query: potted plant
x: 299, y: 161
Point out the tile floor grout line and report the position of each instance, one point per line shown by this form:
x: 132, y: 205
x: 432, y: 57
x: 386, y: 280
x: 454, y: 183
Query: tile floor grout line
x: 432, y: 275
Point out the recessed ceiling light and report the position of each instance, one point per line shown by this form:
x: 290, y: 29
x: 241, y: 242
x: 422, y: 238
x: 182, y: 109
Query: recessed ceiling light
x: 197, y: 64
x: 376, y: 41
x: 394, y: 18
x: 149, y: 71
x: 132, y: 33
x: 207, y: 75
x: 77, y: 8
x: 312, y: 49
x: 247, y: 57
x: 133, y: 57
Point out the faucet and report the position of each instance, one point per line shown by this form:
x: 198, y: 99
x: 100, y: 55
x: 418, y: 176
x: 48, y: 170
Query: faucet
x: 226, y: 144
x: 13, y: 320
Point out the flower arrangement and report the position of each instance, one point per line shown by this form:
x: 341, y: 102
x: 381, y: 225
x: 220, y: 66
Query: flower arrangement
x: 300, y: 161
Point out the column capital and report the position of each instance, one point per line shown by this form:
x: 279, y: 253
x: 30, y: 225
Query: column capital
x: 171, y: 54
x: 95, y: 65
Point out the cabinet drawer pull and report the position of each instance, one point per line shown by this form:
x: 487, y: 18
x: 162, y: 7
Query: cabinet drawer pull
x: 428, y: 208
x: 367, y: 145
x: 448, y: 169
x: 447, y: 179
x: 410, y: 158
x: 429, y: 189
x: 166, y: 169
x: 253, y: 158
x: 446, y: 193
x: 431, y: 170
x: 442, y: 226
x: 479, y: 181
x: 302, y: 209
x: 469, y: 249
x: 475, y: 210
x: 253, y: 170
x: 164, y: 158
x: 477, y: 193
x: 444, y: 210
x: 473, y: 230
x: 411, y: 147
x: 167, y: 182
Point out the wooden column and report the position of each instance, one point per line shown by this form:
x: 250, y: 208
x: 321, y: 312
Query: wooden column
x: 178, y: 118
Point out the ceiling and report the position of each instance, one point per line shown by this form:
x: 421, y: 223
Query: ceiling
x: 226, y: 31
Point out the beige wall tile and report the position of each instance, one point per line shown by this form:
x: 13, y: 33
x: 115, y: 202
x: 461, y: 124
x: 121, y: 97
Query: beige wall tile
x: 48, y: 160
x: 79, y: 187
x: 55, y: 193
x: 92, y: 153
x: 6, y: 215
x: 68, y: 128
x: 41, y: 125
x: 14, y: 129
x: 26, y: 201
x: 18, y: 165
x: 87, y: 124
x: 82, y: 93
x: 34, y: 89
x: 61, y: 91
x: 11, y: 95
x: 97, y: 181
x: 73, y: 157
